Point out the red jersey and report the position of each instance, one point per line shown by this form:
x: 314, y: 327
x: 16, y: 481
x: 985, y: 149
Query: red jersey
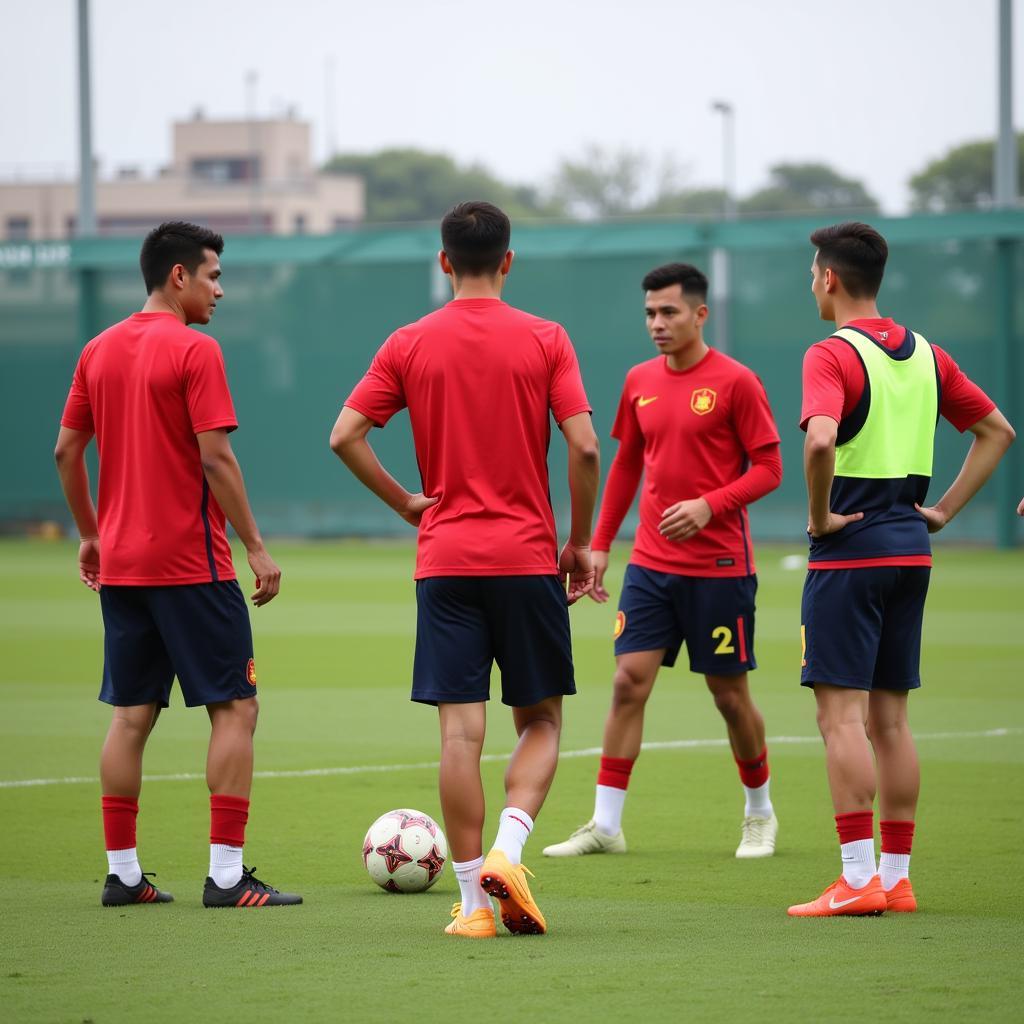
x: 146, y: 387
x: 480, y: 379
x: 833, y: 383
x: 705, y: 432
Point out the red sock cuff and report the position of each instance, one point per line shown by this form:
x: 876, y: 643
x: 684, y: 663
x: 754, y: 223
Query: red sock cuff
x: 897, y: 836
x: 754, y: 774
x: 228, y: 817
x: 614, y: 772
x: 119, y: 814
x: 854, y: 826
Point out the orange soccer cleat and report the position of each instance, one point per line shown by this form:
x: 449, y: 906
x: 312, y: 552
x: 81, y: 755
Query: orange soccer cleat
x: 479, y: 924
x: 900, y: 899
x: 506, y: 882
x: 839, y: 899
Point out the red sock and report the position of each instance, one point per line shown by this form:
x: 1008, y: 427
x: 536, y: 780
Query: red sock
x: 854, y: 826
x: 228, y: 815
x: 897, y: 836
x: 615, y: 771
x: 754, y: 774
x: 119, y: 814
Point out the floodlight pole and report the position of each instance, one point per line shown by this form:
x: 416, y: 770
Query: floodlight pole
x: 1006, y: 145
x: 1008, y: 484
x: 728, y: 156
x: 85, y: 225
x: 719, y: 269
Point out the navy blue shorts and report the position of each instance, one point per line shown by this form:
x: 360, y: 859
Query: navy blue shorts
x: 862, y: 627
x: 464, y: 623
x: 715, y: 616
x: 198, y: 632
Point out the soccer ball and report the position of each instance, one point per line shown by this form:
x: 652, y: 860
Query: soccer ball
x: 405, y: 851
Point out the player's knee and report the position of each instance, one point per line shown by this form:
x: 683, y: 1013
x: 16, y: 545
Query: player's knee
x: 731, y: 704
x: 629, y: 688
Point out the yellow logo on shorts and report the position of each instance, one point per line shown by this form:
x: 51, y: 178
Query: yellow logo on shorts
x: 620, y: 624
x: 702, y: 401
x: 250, y: 672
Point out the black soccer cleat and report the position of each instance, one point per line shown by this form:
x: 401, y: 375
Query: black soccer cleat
x: 117, y: 894
x: 249, y: 892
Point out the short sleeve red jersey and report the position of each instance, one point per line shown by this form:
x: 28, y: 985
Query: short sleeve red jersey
x: 833, y: 378
x: 695, y: 431
x: 481, y: 380
x: 146, y: 387
x: 833, y: 383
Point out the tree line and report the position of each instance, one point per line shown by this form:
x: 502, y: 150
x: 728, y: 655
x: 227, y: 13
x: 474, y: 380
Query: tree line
x: 409, y: 184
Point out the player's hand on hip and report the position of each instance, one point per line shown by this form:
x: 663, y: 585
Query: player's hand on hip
x: 936, y: 518
x: 576, y: 563
x: 89, y: 562
x: 684, y: 519
x: 412, y: 511
x: 833, y: 524
x: 599, y: 560
x: 268, y: 577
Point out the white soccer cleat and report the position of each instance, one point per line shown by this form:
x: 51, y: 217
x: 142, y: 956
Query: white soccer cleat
x: 758, y: 837
x: 587, y: 840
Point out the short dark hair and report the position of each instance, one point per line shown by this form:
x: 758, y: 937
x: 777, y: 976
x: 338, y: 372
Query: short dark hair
x: 856, y: 252
x: 475, y: 237
x: 693, y: 283
x: 175, y: 241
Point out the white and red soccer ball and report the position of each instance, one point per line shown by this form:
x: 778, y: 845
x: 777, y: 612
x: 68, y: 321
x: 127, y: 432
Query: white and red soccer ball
x: 405, y: 851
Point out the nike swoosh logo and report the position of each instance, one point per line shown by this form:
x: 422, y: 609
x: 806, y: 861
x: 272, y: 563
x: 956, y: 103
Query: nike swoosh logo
x: 641, y: 401
x: 833, y: 905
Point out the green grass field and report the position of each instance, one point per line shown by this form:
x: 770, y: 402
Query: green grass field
x: 676, y: 929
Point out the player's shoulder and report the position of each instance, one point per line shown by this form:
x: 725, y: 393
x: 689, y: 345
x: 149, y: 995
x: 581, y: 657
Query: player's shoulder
x: 645, y: 370
x: 727, y: 367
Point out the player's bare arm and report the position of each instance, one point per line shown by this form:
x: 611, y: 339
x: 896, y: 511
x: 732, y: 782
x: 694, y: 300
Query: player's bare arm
x: 224, y: 476
x: 575, y: 560
x: 74, y: 479
x: 349, y: 443
x: 819, y: 471
x: 1020, y: 508
x: 992, y: 436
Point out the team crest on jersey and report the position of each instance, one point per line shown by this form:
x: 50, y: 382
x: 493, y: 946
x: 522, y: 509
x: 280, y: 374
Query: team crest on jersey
x: 250, y: 672
x: 620, y: 625
x: 702, y: 401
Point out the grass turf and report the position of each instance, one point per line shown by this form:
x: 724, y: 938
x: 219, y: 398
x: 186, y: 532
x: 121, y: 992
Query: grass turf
x: 677, y: 927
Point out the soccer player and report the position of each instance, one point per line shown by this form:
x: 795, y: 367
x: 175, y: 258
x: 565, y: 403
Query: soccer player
x: 872, y: 394
x: 697, y: 426
x: 155, y: 395
x: 481, y: 380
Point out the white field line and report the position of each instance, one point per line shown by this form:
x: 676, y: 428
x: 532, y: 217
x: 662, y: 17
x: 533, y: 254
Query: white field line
x: 370, y: 769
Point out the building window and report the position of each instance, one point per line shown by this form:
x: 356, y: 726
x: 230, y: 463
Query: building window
x: 299, y: 224
x: 222, y: 170
x: 19, y: 229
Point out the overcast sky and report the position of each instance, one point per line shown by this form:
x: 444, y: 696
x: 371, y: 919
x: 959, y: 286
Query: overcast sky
x: 874, y: 87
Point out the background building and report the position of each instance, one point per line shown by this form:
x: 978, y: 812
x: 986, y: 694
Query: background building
x: 239, y: 177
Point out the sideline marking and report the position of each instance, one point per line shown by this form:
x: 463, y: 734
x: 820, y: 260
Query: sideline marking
x: 369, y: 769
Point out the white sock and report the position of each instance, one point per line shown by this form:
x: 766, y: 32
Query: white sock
x: 608, y: 803
x: 893, y: 867
x: 225, y: 865
x: 125, y: 864
x: 858, y: 862
x: 514, y: 828
x: 468, y: 874
x: 758, y: 801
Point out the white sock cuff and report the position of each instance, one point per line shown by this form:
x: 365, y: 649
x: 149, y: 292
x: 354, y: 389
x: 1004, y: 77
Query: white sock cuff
x: 519, y: 815
x: 122, y: 856
x: 225, y: 855
x: 467, y: 865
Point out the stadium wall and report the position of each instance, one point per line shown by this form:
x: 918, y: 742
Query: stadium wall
x: 302, y: 317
